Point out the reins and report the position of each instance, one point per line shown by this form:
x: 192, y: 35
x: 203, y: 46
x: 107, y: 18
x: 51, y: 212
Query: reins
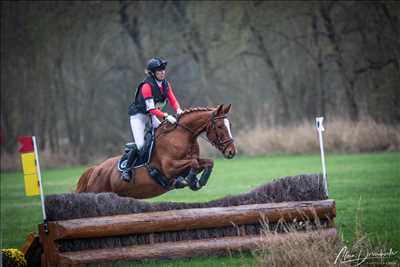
x: 192, y: 132
x: 221, y: 144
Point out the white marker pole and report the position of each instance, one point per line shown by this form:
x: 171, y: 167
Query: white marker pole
x: 320, y: 129
x: 40, y: 183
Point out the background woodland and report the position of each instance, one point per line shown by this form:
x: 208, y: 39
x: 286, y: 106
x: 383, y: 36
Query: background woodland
x: 69, y: 69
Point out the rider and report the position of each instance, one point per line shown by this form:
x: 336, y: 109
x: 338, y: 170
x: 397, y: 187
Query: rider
x: 151, y: 96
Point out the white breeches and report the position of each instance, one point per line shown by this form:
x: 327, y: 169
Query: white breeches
x: 138, y: 125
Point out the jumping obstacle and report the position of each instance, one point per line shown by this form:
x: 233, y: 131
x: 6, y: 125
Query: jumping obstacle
x: 99, y: 228
x: 175, y: 220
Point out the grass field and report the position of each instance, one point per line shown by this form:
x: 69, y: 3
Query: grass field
x: 366, y: 188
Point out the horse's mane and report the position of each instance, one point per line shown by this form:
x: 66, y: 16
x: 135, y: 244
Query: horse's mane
x: 196, y: 109
x: 189, y: 111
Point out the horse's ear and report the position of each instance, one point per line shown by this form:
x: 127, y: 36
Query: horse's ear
x: 220, y: 109
x: 227, y: 108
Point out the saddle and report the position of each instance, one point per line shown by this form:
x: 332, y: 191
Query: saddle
x: 143, y: 156
x: 143, y: 159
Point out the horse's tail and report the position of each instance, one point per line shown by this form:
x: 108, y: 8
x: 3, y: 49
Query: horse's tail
x: 83, y: 181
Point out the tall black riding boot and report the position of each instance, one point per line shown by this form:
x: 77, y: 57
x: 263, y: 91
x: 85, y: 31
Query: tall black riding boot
x: 129, y: 172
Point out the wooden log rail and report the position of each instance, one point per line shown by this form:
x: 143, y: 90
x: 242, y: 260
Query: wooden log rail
x: 180, y: 249
x: 174, y: 220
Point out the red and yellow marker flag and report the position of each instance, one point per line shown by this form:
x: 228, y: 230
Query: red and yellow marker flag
x: 29, y: 166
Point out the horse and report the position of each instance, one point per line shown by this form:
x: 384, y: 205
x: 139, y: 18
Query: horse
x: 176, y: 155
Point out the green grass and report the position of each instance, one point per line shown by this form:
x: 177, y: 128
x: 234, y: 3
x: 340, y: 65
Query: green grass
x: 366, y: 188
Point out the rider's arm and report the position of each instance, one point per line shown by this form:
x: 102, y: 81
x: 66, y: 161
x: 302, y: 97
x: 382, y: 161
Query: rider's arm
x: 172, y: 99
x: 149, y: 100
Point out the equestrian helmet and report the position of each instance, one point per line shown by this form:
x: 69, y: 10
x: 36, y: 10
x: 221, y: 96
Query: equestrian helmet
x: 156, y: 63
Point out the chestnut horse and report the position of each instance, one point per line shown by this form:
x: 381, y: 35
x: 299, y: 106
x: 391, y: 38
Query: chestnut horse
x: 176, y: 154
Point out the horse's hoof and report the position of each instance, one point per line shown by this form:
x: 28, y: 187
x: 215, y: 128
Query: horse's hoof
x: 195, y: 185
x: 204, y: 176
x: 180, y: 182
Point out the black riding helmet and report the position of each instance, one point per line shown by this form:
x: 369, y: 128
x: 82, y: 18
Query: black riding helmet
x: 155, y: 64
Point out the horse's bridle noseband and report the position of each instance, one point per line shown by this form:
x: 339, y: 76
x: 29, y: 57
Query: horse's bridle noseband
x: 218, y: 142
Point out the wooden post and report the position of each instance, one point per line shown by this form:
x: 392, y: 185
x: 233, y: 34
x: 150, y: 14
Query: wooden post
x: 50, y: 248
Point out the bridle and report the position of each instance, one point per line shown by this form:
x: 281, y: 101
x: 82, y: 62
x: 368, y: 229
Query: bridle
x: 218, y: 141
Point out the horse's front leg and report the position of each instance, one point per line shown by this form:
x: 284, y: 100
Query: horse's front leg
x: 173, y: 168
x: 179, y: 168
x: 206, y: 165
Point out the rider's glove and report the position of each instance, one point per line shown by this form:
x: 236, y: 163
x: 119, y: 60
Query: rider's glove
x: 178, y: 111
x: 170, y: 119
